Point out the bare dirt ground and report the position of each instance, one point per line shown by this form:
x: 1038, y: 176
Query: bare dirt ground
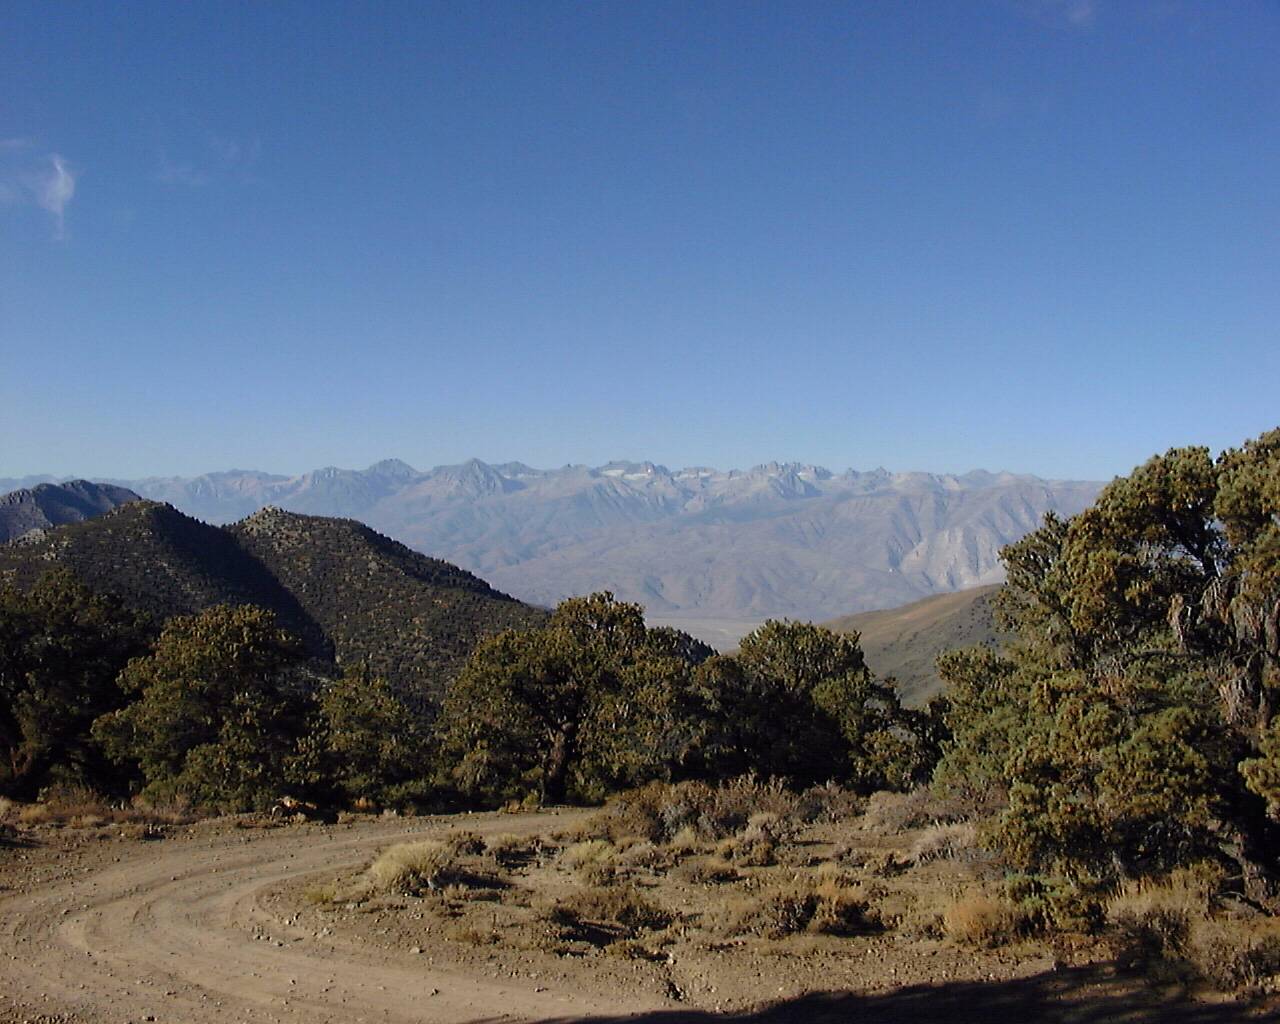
x: 211, y: 923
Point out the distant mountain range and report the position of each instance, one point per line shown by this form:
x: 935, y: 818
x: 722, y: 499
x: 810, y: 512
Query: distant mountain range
x: 32, y: 509
x: 352, y: 595
x: 710, y: 551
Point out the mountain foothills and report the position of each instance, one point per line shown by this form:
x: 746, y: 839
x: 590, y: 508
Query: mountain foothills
x: 699, y: 548
x: 46, y: 505
x: 904, y: 643
x: 348, y: 593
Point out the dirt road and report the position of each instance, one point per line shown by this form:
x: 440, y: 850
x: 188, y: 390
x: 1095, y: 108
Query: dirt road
x: 208, y: 925
x: 178, y: 931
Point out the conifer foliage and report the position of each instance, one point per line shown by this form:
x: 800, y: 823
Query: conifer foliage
x: 1131, y: 727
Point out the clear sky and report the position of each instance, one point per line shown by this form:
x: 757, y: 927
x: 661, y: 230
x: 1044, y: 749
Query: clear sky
x: 1028, y: 234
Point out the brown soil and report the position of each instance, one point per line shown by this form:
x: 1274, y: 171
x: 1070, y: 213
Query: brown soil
x: 221, y: 922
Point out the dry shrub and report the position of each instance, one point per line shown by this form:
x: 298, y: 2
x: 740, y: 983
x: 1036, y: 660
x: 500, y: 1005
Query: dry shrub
x: 734, y: 804
x: 630, y: 949
x: 590, y: 851
x: 981, y: 921
x: 321, y: 895
x: 413, y: 867
x: 685, y: 842
x: 1151, y: 921
x: 1236, y: 955
x: 655, y: 812
x: 465, y: 843
x: 593, y: 861
x: 645, y: 855
x: 78, y: 807
x: 601, y: 916
x: 901, y: 812
x: 757, y: 844
x: 473, y: 933
x: 510, y: 850
x: 816, y: 905
x: 954, y: 841
x: 661, y: 811
x: 829, y: 802
x: 706, y: 871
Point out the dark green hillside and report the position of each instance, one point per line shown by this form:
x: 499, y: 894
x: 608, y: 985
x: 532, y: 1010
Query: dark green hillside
x: 158, y: 560
x: 351, y: 594
x: 905, y: 642
x: 411, y: 618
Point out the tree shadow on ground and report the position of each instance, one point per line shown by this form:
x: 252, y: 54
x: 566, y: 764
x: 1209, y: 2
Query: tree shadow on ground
x: 1081, y: 995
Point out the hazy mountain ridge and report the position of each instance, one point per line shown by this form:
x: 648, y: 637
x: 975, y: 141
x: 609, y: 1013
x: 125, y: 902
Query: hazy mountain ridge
x: 46, y: 505
x: 781, y: 539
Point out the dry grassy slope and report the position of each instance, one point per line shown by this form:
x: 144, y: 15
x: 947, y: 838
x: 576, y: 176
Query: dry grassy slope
x: 903, y: 642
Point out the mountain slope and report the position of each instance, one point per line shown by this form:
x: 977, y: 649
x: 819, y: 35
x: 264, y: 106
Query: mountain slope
x: 154, y: 558
x: 47, y: 505
x: 903, y: 642
x: 351, y: 594
x: 412, y: 618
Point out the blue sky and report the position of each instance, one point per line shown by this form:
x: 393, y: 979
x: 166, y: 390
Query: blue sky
x: 1033, y: 235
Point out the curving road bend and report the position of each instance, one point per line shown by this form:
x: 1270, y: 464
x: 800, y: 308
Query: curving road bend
x: 177, y: 931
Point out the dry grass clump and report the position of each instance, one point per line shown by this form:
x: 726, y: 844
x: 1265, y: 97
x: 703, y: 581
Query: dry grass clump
x: 321, y: 895
x: 411, y: 868
x: 472, y: 932
x: 957, y: 840
x: 706, y: 871
x: 757, y: 844
x: 465, y: 843
x: 655, y: 812
x: 686, y: 842
x: 981, y: 921
x: 1168, y: 926
x: 901, y: 812
x: 604, y: 915
x: 829, y: 802
x: 594, y: 861
x: 1237, y: 955
x: 510, y: 850
x: 79, y: 807
x: 733, y: 805
x: 646, y: 856
x: 664, y: 812
x: 1151, y: 921
x: 824, y: 905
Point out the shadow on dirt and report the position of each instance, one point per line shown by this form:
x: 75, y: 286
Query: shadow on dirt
x: 1085, y: 995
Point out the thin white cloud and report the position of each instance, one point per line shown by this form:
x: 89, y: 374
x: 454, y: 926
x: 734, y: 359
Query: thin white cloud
x: 1075, y: 14
x: 214, y: 158
x: 54, y: 191
x: 171, y: 172
x: 30, y: 177
x: 1081, y: 12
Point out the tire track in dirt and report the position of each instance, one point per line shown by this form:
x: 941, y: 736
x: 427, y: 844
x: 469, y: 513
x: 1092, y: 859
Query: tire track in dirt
x: 177, y: 932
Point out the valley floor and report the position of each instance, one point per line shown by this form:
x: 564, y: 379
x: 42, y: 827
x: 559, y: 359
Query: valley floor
x: 211, y: 922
